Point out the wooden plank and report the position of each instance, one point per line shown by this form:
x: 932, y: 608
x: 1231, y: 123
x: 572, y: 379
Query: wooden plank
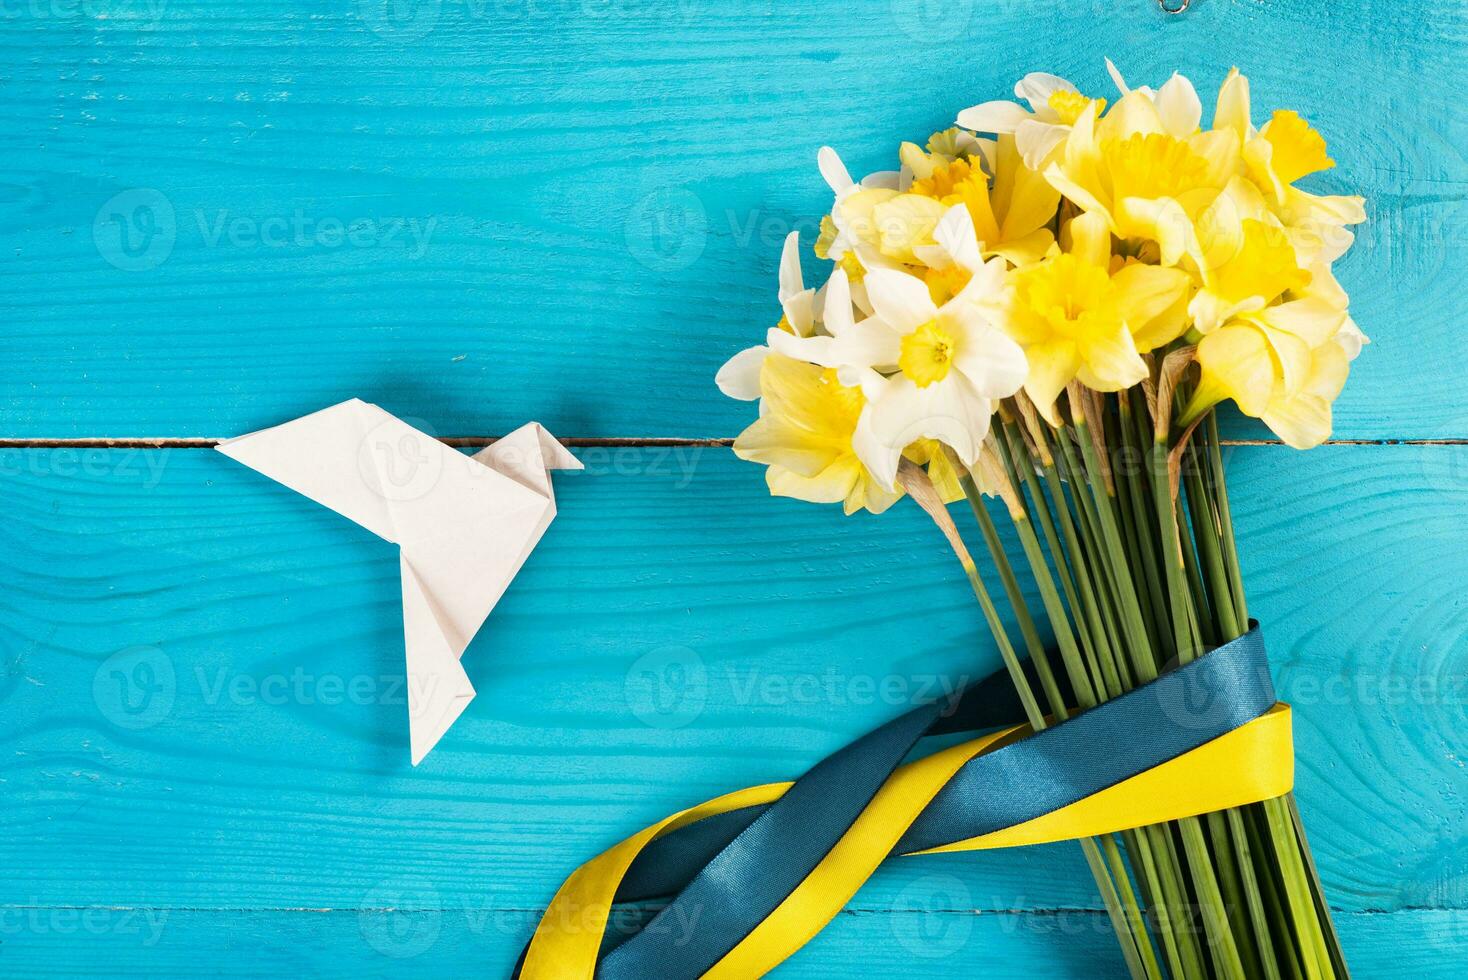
x: 581, y: 231
x: 455, y: 941
x: 201, y: 710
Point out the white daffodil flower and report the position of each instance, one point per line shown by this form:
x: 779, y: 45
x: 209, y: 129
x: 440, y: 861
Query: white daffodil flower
x: 1055, y: 105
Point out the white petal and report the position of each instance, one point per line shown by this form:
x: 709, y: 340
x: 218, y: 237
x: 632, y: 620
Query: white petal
x: 888, y: 179
x: 1351, y: 339
x: 833, y: 170
x: 986, y: 285
x: 955, y: 233
x: 993, y: 117
x: 1179, y: 107
x: 903, y: 301
x: 791, y: 281
x: 1035, y: 140
x: 948, y: 410
x: 878, y: 457
x: 816, y: 350
x: 800, y: 310
x: 870, y: 344
x: 1037, y: 87
x: 993, y: 363
x: 1115, y: 74
x: 837, y: 311
x: 739, y: 377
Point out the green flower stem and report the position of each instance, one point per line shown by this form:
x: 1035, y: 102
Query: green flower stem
x: 1322, y: 908
x: 1293, y: 836
x: 1201, y: 624
x: 1054, y: 608
x: 1206, y: 536
x: 1231, y: 882
x: 1036, y: 649
x: 1181, y: 938
x: 1225, y: 518
x: 1133, y: 432
x: 1041, y: 510
x: 1121, y: 919
x: 1311, y: 942
x: 1099, y: 585
x: 1143, y: 659
x: 1221, y: 942
x: 1136, y: 919
x: 1140, y: 851
x: 1110, y: 682
x: 1270, y: 888
x: 1258, y: 918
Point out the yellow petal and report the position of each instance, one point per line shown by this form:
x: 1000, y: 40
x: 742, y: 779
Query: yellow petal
x: 1153, y: 302
x: 1109, y: 360
x: 1303, y: 419
x: 1133, y: 113
x: 1236, y: 363
x: 1161, y: 220
x: 905, y: 221
x: 1089, y: 239
x: 1026, y: 250
x: 1220, y: 148
x: 1023, y: 199
x: 1314, y: 321
x: 776, y: 441
x: 1297, y: 149
x: 1053, y: 365
x: 830, y: 485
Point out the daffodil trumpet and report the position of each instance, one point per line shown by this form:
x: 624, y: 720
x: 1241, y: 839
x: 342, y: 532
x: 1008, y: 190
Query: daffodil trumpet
x: 1041, y: 311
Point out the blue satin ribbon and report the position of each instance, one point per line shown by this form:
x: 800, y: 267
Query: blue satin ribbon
x: 730, y: 871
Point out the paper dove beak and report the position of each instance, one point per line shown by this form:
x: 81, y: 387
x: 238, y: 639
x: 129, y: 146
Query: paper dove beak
x: 465, y: 525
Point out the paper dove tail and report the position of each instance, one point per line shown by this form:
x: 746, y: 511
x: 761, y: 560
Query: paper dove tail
x: 438, y: 688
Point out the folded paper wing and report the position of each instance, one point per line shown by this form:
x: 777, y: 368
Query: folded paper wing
x: 464, y: 524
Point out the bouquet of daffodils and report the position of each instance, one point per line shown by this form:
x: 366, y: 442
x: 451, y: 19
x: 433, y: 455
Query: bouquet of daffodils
x: 1044, y: 305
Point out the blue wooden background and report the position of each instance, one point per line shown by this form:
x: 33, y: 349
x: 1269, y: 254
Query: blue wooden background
x: 219, y: 215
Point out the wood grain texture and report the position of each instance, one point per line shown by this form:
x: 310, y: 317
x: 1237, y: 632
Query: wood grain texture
x: 677, y: 634
x: 431, y: 944
x: 481, y: 211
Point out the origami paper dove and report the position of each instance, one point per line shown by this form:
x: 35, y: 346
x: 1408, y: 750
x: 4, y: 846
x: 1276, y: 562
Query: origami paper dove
x: 464, y: 524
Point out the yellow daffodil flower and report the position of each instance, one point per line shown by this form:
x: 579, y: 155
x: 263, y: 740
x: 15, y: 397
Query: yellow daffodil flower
x: 1144, y: 167
x: 1011, y: 219
x: 804, y: 435
x: 1081, y: 314
x: 1276, y: 366
x: 1283, y: 151
x: 1243, y: 255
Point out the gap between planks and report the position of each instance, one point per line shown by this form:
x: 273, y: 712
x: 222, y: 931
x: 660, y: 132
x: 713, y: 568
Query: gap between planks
x: 469, y: 442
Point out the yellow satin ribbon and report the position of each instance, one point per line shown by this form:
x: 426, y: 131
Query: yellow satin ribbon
x: 1251, y: 763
